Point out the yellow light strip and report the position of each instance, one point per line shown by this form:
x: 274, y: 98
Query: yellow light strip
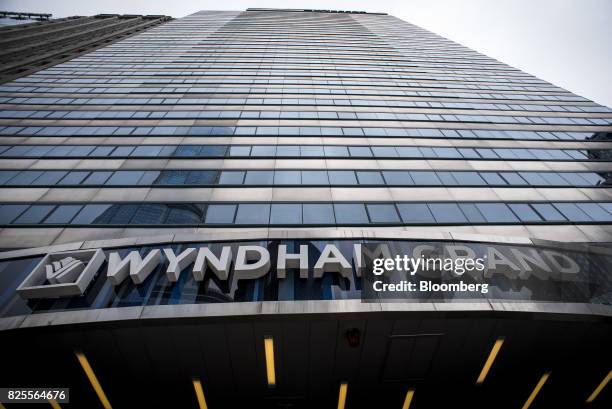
x: 408, y: 399
x: 2, y: 406
x: 93, y: 379
x: 342, y: 395
x: 489, y: 362
x: 197, y: 385
x: 600, y: 387
x: 536, y: 390
x: 54, y: 404
x: 270, y: 371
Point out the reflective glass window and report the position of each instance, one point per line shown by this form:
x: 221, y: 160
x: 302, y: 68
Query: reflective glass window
x: 259, y: 177
x: 287, y: 177
x: 524, y: 212
x: 447, y: 213
x: 9, y: 212
x: 548, y: 212
x: 314, y: 177
x: 496, y: 213
x: 318, y: 213
x: 370, y: 177
x: 231, y: 177
x: 350, y: 213
x: 415, y: 213
x: 382, y: 213
x: 255, y: 213
x: 342, y: 177
x: 63, y: 214
x: 220, y: 213
x: 35, y: 214
x: 286, y: 213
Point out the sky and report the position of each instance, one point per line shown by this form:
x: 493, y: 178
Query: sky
x: 565, y: 42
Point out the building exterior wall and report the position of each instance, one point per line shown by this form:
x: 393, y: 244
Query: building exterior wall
x: 303, y: 119
x: 31, y: 47
x: 300, y: 130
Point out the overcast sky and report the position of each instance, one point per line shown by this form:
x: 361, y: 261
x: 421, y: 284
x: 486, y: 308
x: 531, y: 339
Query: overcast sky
x: 566, y: 42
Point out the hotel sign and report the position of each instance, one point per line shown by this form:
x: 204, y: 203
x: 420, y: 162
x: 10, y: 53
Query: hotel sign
x: 394, y: 268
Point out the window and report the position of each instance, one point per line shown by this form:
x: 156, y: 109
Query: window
x: 314, y: 177
x: 493, y: 179
x: 496, y: 213
x: 336, y: 151
x: 399, y: 178
x: 6, y: 175
x: 149, y: 213
x: 286, y: 214
x: 125, y: 177
x: 25, y: 178
x: 533, y: 178
x: 63, y: 214
x: 447, y: 213
x: 360, y: 151
x: 311, y: 151
x: 384, y: 151
x: 9, y: 212
x: 525, y: 212
x: 414, y: 213
x: 253, y: 214
x: 231, y: 177
x: 382, y: 213
x: 50, y: 177
x: 572, y: 212
x: 350, y: 213
x: 342, y: 177
x: 185, y: 213
x: 259, y: 177
x: 287, y: 177
x: 513, y: 178
x: 90, y: 213
x: 370, y: 178
x: 240, y: 150
x: 220, y: 213
x: 202, y: 177
x: 425, y: 178
x: 288, y: 151
x: 35, y: 214
x: 315, y: 213
x: 97, y: 178
x: 593, y: 210
x: 147, y: 150
x: 548, y: 212
x: 472, y: 213
x: 447, y: 153
x: 469, y: 178
x: 409, y: 152
x: 122, y: 151
x: 263, y: 150
x: 74, y: 178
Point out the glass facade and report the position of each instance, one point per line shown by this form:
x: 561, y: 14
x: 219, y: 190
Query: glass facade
x: 297, y: 118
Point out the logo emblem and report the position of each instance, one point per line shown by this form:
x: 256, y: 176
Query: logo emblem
x: 65, y: 274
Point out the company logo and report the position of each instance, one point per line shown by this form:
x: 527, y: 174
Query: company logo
x: 65, y: 274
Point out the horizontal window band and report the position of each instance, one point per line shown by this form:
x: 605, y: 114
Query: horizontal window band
x: 304, y: 214
x: 298, y: 177
x: 302, y: 151
x: 390, y: 114
x: 603, y: 135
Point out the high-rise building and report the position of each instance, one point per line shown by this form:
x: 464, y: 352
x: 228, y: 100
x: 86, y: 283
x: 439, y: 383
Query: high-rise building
x: 192, y: 214
x: 27, y: 47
